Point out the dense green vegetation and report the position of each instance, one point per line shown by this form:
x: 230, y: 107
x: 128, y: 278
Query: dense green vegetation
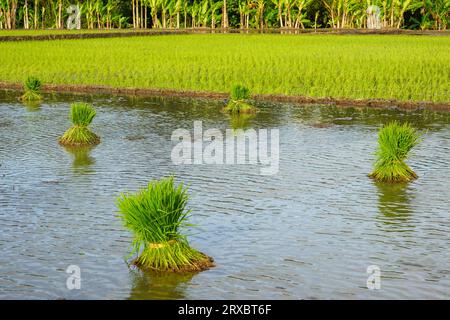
x: 32, y: 87
x: 155, y: 215
x: 395, y: 141
x: 415, y: 14
x: 238, y: 101
x: 391, y: 67
x: 81, y: 115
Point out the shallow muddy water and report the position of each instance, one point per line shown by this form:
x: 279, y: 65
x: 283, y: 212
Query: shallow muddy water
x: 308, y: 232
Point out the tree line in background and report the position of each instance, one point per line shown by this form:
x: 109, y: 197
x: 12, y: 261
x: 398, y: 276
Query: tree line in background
x: 244, y: 14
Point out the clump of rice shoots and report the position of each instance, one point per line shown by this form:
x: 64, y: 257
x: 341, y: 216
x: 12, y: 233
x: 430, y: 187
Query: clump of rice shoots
x: 81, y: 115
x: 154, y: 215
x: 395, y: 141
x: 32, y: 87
x: 237, y: 103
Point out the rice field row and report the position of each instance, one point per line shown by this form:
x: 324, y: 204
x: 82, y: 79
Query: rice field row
x: 397, y: 67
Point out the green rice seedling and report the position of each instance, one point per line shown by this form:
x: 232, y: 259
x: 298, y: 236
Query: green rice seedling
x: 313, y: 65
x: 154, y: 215
x: 81, y: 115
x: 395, y: 141
x: 237, y: 103
x: 32, y: 87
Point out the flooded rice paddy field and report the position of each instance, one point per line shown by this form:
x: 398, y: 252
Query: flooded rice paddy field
x: 308, y: 232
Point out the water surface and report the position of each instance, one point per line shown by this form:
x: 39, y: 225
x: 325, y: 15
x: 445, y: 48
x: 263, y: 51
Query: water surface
x: 308, y: 232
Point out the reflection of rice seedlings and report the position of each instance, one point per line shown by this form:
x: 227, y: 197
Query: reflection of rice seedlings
x: 395, y: 206
x: 81, y: 156
x: 394, y: 143
x: 32, y: 88
x: 241, y: 121
x: 154, y: 215
x: 394, y: 201
x: 238, y: 101
x: 32, y: 106
x: 79, y: 134
x: 159, y: 285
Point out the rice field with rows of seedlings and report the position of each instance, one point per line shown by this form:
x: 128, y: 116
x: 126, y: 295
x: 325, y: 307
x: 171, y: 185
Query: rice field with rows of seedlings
x: 405, y: 68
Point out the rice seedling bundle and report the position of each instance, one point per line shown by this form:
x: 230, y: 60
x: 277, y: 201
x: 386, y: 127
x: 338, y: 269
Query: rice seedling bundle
x: 155, y: 215
x: 32, y: 87
x: 395, y: 141
x: 79, y: 134
x: 237, y: 103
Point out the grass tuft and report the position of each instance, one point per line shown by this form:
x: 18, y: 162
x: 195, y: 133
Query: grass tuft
x: 238, y: 101
x: 154, y: 215
x: 32, y: 87
x: 81, y: 115
x: 395, y: 141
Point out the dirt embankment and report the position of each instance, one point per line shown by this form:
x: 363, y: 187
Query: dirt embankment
x: 344, y: 102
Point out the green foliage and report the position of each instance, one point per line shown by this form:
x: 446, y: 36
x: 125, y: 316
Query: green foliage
x: 403, y: 68
x: 154, y: 215
x: 32, y: 87
x: 239, y: 92
x: 81, y: 115
x: 239, y: 107
x: 33, y: 84
x: 395, y: 141
x: 292, y: 14
x: 237, y: 103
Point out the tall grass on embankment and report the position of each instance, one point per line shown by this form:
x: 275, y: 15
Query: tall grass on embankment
x: 155, y: 215
x: 395, y: 141
x: 400, y: 67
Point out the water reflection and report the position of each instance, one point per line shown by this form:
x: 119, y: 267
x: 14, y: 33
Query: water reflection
x: 233, y: 204
x: 395, y: 208
x: 154, y: 285
x: 82, y: 158
x: 241, y: 121
x: 420, y: 118
x: 32, y: 106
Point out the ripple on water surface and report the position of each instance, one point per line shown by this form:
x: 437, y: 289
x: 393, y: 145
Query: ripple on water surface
x: 310, y: 231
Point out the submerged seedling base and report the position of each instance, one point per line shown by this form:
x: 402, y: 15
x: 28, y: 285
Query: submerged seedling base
x: 30, y: 96
x: 396, y: 174
x: 78, y: 136
x: 239, y: 107
x: 173, y: 257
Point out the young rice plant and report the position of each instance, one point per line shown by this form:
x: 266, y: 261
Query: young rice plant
x: 154, y: 215
x: 238, y: 101
x: 32, y: 87
x: 394, y: 143
x: 81, y: 115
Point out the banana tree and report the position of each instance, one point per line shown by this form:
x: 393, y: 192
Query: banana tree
x: 215, y: 6
x: 300, y: 19
x: 8, y: 13
x: 259, y: 17
x: 164, y: 4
